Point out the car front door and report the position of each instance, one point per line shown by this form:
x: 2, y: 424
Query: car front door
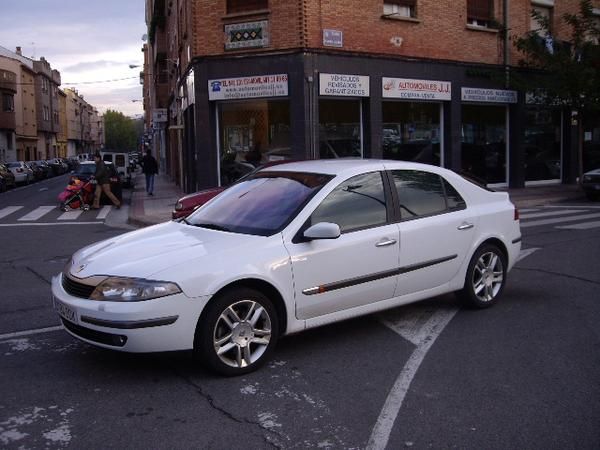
x: 357, y: 268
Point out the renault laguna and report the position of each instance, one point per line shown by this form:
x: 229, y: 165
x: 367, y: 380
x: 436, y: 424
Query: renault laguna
x: 289, y: 248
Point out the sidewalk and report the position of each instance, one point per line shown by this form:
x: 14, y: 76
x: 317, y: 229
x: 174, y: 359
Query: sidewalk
x: 149, y: 210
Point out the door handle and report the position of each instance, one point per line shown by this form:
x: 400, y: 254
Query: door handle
x: 385, y: 243
x: 465, y: 226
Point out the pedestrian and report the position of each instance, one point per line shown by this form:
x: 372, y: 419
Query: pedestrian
x: 149, y: 168
x: 103, y: 183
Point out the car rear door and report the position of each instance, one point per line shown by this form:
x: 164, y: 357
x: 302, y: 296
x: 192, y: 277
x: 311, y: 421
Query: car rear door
x: 360, y: 266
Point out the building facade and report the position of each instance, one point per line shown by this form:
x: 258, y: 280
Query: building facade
x: 420, y: 80
x: 8, y: 119
x: 47, y: 82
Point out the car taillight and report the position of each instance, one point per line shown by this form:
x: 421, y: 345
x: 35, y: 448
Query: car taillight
x: 516, y: 213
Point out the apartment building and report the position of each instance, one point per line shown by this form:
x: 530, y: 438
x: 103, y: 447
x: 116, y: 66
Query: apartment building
x: 422, y: 80
x: 61, y: 135
x: 47, y: 82
x: 8, y: 120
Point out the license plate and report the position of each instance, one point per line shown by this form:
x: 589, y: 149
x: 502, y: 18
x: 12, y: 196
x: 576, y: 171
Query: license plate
x: 65, y: 311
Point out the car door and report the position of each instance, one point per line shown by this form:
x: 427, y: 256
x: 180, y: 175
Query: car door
x: 358, y: 267
x: 436, y: 230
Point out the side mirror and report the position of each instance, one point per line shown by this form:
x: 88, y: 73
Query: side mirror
x: 323, y: 230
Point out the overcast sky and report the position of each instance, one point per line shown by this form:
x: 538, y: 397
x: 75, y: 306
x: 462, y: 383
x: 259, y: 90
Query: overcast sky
x: 86, y: 40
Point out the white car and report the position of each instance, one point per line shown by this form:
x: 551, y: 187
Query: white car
x: 21, y: 171
x: 289, y: 248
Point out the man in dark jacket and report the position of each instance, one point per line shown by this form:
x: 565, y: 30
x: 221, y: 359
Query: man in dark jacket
x: 150, y: 168
x: 102, y: 177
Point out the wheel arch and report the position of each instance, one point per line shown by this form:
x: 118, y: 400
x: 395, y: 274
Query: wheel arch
x: 259, y: 285
x: 498, y: 243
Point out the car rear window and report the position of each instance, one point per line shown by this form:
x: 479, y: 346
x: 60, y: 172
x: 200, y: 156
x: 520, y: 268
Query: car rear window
x: 262, y: 204
x: 86, y: 169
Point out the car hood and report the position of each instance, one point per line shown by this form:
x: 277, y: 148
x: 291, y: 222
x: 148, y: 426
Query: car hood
x: 593, y: 172
x: 142, y: 253
x: 201, y: 197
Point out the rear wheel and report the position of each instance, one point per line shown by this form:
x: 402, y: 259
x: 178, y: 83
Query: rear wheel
x: 486, y: 277
x: 238, y: 332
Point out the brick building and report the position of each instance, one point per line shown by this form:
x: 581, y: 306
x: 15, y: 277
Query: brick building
x: 47, y: 82
x: 237, y: 81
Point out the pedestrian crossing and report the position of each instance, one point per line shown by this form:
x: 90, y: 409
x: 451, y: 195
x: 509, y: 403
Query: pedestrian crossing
x: 562, y: 218
x: 51, y: 214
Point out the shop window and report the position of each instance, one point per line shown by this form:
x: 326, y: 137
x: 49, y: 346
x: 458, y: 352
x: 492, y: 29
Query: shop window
x: 420, y: 194
x: 480, y: 13
x: 240, y: 6
x: 411, y: 132
x: 357, y: 203
x: 340, y: 128
x: 483, y: 147
x: 252, y: 133
x: 542, y: 144
x: 400, y: 8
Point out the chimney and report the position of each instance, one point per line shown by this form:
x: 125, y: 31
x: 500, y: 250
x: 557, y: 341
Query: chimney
x: 19, y: 51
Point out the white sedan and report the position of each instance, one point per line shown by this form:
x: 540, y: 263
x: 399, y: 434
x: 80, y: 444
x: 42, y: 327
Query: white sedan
x: 292, y: 247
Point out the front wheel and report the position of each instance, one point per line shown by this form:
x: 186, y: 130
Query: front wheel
x: 486, y: 277
x: 238, y: 332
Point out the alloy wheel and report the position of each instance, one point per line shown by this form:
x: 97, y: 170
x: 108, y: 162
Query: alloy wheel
x: 488, y: 276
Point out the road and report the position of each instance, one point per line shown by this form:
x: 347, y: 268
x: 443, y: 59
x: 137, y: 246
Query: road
x: 524, y: 374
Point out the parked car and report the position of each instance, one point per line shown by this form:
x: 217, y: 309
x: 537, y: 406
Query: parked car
x: 38, y: 172
x: 191, y: 202
x: 590, y: 183
x: 43, y: 165
x: 85, y: 171
x: 287, y: 249
x: 57, y: 166
x: 23, y: 174
x: 7, y: 179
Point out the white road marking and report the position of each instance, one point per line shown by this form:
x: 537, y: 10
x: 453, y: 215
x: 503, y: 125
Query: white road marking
x: 103, y: 212
x: 528, y: 210
x: 551, y: 213
x: 535, y: 223
x: 525, y: 253
x: 70, y: 215
x: 9, y: 210
x: 37, y: 213
x: 581, y: 226
x: 44, y: 224
x: 4, y: 337
x: 426, y: 336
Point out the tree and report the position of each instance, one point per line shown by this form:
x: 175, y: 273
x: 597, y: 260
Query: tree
x: 121, y: 133
x: 563, y: 73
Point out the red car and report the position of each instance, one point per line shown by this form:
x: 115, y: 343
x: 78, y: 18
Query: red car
x: 191, y: 202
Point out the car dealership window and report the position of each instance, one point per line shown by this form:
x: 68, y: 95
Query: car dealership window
x: 357, y: 203
x: 419, y: 193
x: 340, y: 128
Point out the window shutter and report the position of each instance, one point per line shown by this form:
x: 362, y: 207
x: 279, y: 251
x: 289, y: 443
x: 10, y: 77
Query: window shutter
x: 479, y: 9
x: 236, y: 6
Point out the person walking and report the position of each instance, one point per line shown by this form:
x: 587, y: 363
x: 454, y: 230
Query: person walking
x: 149, y: 168
x: 102, y: 177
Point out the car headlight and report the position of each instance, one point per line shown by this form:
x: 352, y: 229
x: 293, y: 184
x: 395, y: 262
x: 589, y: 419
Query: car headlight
x: 115, y: 289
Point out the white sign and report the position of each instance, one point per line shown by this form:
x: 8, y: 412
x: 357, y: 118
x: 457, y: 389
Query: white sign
x: 343, y: 85
x: 333, y: 38
x: 159, y: 115
x: 248, y: 87
x: 488, y: 95
x: 416, y: 89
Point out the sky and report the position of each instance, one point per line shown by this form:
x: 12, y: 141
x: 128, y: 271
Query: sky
x: 87, y: 41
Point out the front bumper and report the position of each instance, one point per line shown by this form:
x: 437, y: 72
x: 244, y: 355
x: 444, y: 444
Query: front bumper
x: 164, y: 324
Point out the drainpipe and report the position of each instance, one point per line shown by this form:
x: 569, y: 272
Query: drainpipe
x: 505, y: 13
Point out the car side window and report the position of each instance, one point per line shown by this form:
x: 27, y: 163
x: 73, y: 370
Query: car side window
x: 357, y: 203
x: 455, y: 201
x: 419, y: 193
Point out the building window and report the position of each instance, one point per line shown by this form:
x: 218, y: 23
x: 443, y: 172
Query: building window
x: 340, y: 128
x: 8, y: 103
x: 400, y: 8
x: 541, y: 19
x: 241, y: 6
x: 480, y: 13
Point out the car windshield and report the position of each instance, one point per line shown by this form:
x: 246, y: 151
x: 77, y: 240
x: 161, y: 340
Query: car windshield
x: 262, y: 204
x: 13, y: 164
x: 86, y: 169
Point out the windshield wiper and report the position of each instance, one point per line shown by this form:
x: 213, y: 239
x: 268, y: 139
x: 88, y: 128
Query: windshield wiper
x: 211, y: 226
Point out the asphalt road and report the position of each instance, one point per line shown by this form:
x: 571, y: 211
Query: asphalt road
x: 524, y: 374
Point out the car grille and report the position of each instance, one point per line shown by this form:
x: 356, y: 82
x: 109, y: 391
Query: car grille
x: 75, y: 288
x: 115, y: 340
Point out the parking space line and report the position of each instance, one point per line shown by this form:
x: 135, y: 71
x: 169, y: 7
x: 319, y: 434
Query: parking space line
x: 5, y: 337
x: 9, y: 210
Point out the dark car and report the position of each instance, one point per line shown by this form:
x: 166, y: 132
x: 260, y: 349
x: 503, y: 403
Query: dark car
x: 590, y: 184
x: 191, y: 202
x: 44, y: 167
x: 38, y: 172
x: 7, y: 179
x: 86, y: 171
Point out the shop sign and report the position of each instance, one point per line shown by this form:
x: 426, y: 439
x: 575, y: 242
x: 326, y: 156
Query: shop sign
x: 159, y: 115
x: 343, y: 85
x: 416, y: 89
x: 333, y: 38
x: 488, y: 95
x: 248, y: 87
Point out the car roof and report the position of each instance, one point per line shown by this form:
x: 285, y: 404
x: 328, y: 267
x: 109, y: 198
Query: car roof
x: 89, y: 163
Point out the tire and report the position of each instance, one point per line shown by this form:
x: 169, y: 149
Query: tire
x: 243, y: 324
x: 486, y: 277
